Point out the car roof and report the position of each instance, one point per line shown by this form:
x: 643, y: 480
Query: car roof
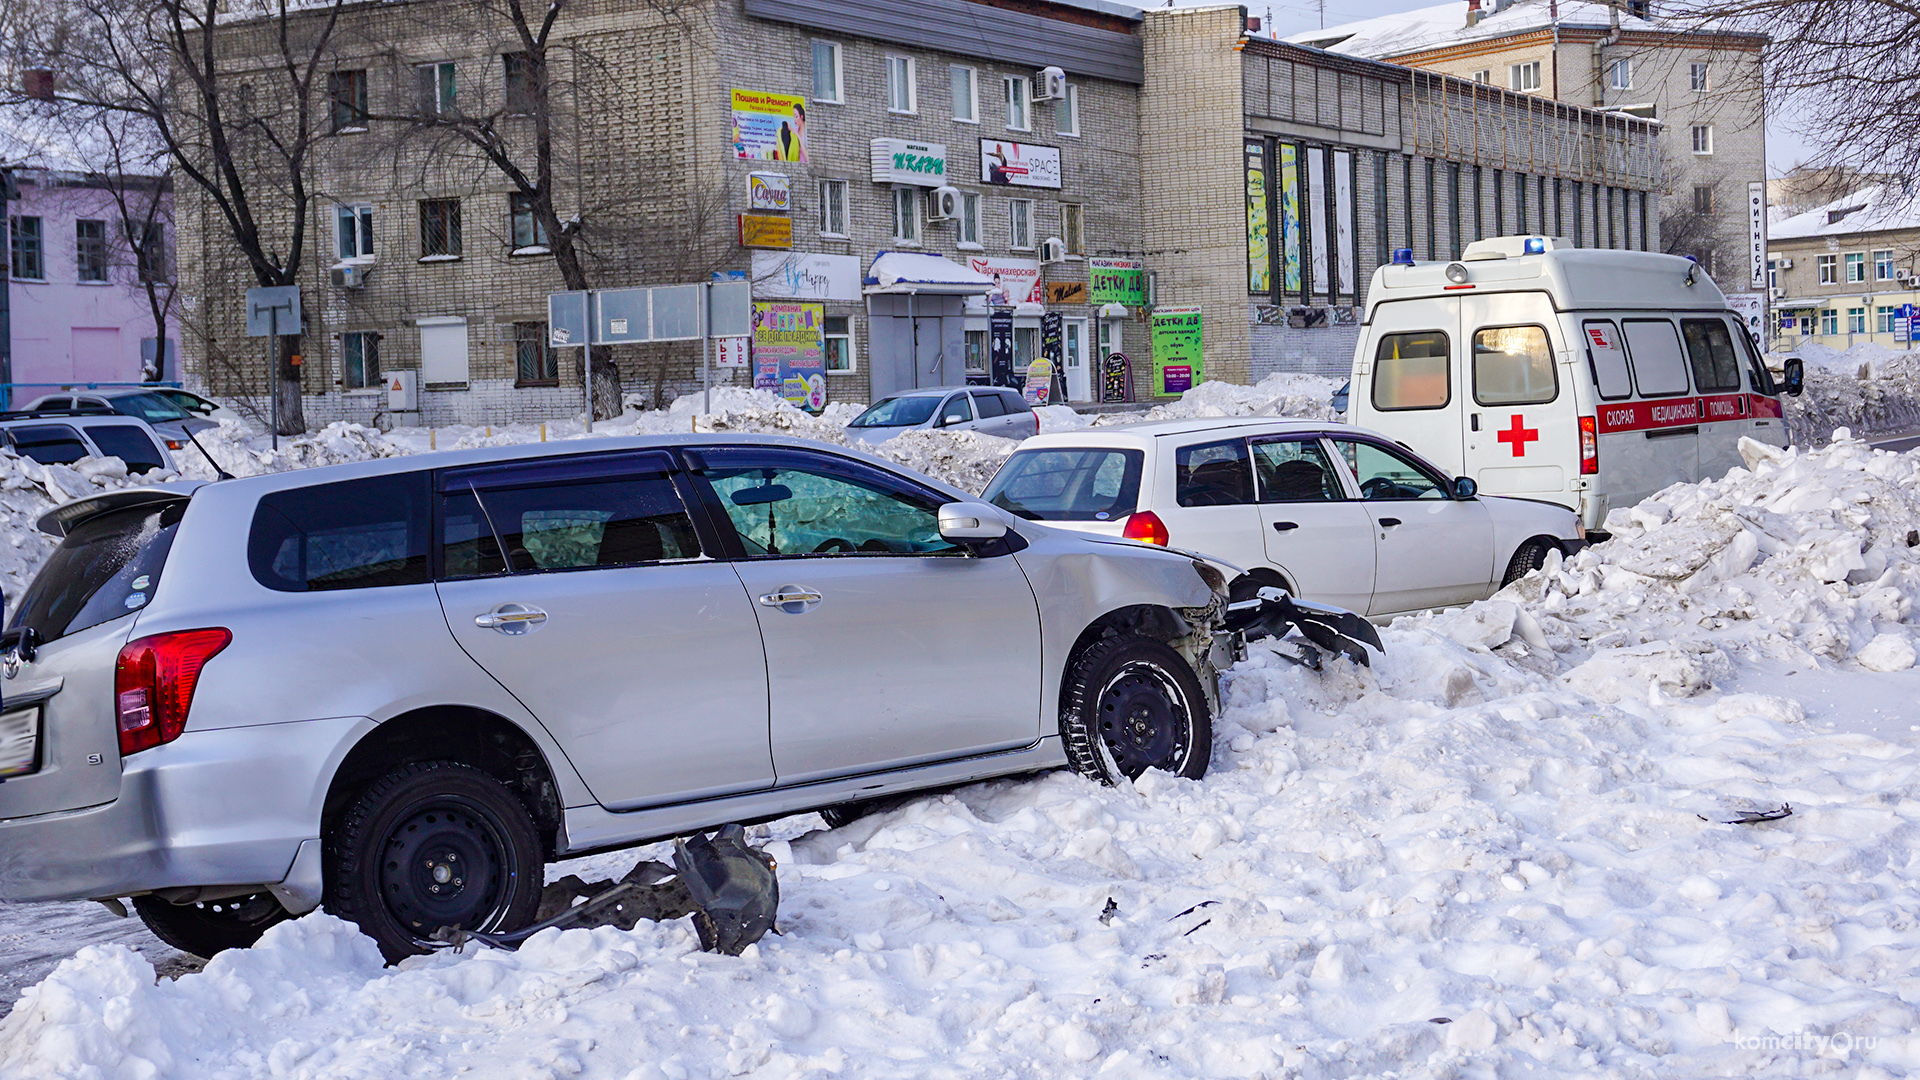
x: 102, y: 392
x: 75, y: 419
x: 1149, y: 432
x: 932, y: 391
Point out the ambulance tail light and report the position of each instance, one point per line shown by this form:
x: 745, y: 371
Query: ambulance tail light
x: 1589, y: 446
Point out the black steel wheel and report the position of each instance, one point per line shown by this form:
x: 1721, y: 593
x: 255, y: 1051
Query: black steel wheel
x: 207, y: 927
x: 430, y: 845
x: 1133, y: 704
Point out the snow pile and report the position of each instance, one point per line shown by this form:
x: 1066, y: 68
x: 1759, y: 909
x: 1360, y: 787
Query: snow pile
x: 1281, y: 394
x: 1868, y: 389
x: 29, y: 489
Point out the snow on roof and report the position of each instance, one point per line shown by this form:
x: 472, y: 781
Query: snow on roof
x: 1446, y: 24
x: 917, y: 271
x: 1879, y: 208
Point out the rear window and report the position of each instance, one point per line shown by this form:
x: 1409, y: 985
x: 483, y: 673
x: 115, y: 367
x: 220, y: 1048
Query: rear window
x: 1014, y: 402
x: 1710, y: 353
x: 129, y: 444
x: 1513, y: 365
x: 990, y: 404
x: 1410, y: 372
x: 1095, y: 484
x: 1213, y: 474
x: 50, y: 444
x: 354, y: 534
x: 149, y: 406
x: 1653, y: 349
x: 106, y: 567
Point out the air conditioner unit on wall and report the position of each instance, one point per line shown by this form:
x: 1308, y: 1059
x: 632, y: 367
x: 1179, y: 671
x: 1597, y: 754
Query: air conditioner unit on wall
x: 1050, y: 85
x: 1901, y: 273
x: 347, y: 276
x: 1786, y: 264
x: 943, y: 204
x: 1053, y: 250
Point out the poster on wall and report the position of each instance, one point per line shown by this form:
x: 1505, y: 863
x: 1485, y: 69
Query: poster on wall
x: 1015, y: 281
x: 1019, y: 164
x: 1316, y: 238
x: 1290, y: 216
x: 1259, y: 234
x: 1117, y: 281
x: 789, y: 351
x: 1753, y: 311
x: 806, y: 276
x: 769, y: 127
x: 1178, y: 362
x: 1343, y: 219
x: 1000, y: 347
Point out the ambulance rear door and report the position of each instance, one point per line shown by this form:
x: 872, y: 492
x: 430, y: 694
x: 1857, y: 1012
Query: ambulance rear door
x: 1407, y: 382
x: 1522, y: 425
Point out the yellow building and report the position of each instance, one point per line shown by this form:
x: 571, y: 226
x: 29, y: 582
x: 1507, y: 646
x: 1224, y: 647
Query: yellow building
x: 1841, y: 273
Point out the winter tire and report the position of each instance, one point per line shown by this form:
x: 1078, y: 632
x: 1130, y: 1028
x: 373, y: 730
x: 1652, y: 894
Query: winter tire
x: 1133, y: 704
x: 1531, y: 556
x: 210, y: 926
x: 431, y: 845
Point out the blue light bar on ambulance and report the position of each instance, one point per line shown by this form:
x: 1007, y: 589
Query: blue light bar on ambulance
x: 1403, y: 256
x: 1536, y: 245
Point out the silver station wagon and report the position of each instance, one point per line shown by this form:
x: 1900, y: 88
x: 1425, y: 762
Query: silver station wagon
x: 398, y: 688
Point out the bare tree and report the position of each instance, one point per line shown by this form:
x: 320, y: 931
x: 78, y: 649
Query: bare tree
x: 241, y: 136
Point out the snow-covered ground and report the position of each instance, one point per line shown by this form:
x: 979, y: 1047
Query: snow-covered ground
x: 1501, y: 851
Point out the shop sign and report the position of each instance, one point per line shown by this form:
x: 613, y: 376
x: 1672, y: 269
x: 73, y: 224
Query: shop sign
x: 806, y: 276
x: 1019, y: 164
x: 766, y: 231
x: 1117, y: 281
x: 732, y: 352
x: 898, y: 161
x: 1039, y: 382
x: 1066, y: 292
x: 769, y: 191
x: 1178, y: 362
x: 769, y: 127
x: 789, y: 351
x: 1116, y: 378
x: 1000, y: 347
x: 1015, y: 281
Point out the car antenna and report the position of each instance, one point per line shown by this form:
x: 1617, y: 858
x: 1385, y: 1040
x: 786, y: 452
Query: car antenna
x: 218, y: 472
x: 505, y: 558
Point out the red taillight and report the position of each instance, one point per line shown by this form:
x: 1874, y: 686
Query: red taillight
x: 1145, y: 527
x: 1589, y: 446
x: 153, y: 684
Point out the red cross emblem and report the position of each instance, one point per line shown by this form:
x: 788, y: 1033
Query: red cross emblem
x: 1518, y: 436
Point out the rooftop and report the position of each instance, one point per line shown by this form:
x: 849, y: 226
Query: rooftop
x: 1879, y: 208
x: 1444, y: 25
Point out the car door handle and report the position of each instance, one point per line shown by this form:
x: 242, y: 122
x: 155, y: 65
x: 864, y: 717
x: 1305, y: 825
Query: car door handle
x: 512, y: 619
x: 1662, y: 433
x: 1285, y: 526
x: 1388, y: 523
x: 792, y: 599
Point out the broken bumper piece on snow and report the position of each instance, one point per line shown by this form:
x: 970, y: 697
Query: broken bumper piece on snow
x: 729, y: 888
x: 1271, y: 613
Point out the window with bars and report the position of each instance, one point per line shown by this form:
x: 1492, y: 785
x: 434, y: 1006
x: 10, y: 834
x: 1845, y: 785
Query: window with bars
x: 967, y: 228
x: 347, y: 100
x: 1073, y: 227
x: 90, y: 250
x: 440, y: 228
x: 535, y: 361
x: 833, y: 208
x: 906, y: 215
x: 1020, y: 224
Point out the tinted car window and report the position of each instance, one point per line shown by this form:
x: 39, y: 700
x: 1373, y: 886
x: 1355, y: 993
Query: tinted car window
x: 1410, y: 372
x: 1295, y: 470
x: 150, y: 407
x: 106, y: 567
x: 1014, y: 402
x: 1757, y: 372
x: 51, y: 444
x: 1213, y: 474
x: 1513, y: 365
x: 1607, y: 359
x: 1069, y: 485
x: 620, y: 521
x: 797, y: 505
x: 990, y: 404
x: 957, y: 410
x: 129, y: 444
x: 1653, y: 349
x: 1385, y: 475
x: 898, y: 412
x: 1710, y: 353
x: 352, y: 534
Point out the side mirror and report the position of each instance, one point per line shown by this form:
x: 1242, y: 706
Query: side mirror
x: 1796, y: 376
x: 971, y: 521
x: 1464, y: 487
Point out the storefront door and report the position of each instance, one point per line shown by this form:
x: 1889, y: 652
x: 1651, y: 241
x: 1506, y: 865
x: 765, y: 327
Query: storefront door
x: 1079, y: 385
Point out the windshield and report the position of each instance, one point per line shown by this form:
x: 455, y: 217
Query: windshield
x: 1068, y: 485
x: 152, y: 408
x: 898, y: 412
x: 106, y: 567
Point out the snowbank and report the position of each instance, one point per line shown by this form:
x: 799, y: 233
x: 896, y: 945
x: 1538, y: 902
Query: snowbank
x: 1281, y: 394
x: 1867, y: 389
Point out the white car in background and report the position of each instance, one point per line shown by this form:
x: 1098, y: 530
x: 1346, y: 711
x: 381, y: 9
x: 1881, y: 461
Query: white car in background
x: 988, y: 410
x: 1328, y: 512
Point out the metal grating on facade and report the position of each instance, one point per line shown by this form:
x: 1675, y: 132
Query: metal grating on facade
x: 969, y: 29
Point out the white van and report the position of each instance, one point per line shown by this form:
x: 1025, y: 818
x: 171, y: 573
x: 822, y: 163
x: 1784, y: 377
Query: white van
x: 1589, y: 378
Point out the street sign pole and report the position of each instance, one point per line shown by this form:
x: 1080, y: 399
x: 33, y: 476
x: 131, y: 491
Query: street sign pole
x: 264, y: 306
x: 586, y: 358
x: 273, y: 370
x: 706, y: 373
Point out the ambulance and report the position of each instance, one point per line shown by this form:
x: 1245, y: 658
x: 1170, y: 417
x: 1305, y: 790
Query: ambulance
x: 1539, y: 370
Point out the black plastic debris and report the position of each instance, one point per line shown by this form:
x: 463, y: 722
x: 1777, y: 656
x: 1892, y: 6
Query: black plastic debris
x: 1272, y: 614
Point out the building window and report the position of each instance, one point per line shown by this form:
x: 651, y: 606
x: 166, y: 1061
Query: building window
x: 967, y: 229
x: 353, y: 231
x: 1073, y: 227
x: 434, y: 84
x: 966, y: 94
x: 1620, y: 74
x: 528, y: 230
x: 1484, y: 77
x: 1700, y: 77
x: 826, y: 71
x: 150, y: 254
x: 1703, y: 138
x: 1883, y: 266
x: 440, y: 228
x: 517, y: 81
x: 347, y: 100
x: 906, y: 215
x: 976, y: 350
x: 535, y: 361
x: 900, y: 90
x: 1019, y: 103
x: 90, y: 250
x: 1773, y: 274
x: 29, y: 259
x: 1020, y: 224
x: 360, y: 360
x: 833, y: 208
x: 1856, y: 267
x: 838, y: 335
x: 1829, y: 266
x: 1856, y: 320
x: 1524, y: 77
x: 1829, y: 321
x: 1883, y: 319
x: 1703, y: 198
x: 1066, y: 112
x: 1026, y: 346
